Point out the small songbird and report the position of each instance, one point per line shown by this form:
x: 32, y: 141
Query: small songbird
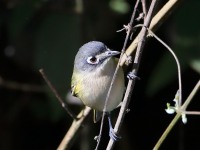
x: 94, y: 67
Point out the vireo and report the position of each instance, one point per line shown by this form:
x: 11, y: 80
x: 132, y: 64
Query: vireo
x: 94, y: 67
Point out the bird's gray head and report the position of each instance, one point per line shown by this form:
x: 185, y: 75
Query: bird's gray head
x: 92, y: 55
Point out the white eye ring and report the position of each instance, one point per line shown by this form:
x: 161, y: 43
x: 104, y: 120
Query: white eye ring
x: 92, y: 60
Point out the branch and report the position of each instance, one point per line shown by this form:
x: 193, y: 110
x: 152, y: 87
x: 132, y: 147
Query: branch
x: 128, y: 32
x: 63, y: 103
x: 131, y: 82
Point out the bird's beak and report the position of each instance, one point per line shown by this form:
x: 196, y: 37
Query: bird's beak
x: 112, y: 53
x: 108, y: 54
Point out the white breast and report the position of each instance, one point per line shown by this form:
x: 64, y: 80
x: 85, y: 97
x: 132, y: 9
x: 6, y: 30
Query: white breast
x: 95, y: 87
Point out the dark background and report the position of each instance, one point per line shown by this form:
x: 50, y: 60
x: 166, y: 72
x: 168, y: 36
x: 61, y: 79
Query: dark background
x: 46, y: 34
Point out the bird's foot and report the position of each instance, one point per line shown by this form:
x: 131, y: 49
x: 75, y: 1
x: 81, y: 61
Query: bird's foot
x: 113, y: 135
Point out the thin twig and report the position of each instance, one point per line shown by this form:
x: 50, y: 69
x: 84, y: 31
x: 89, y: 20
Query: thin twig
x: 155, y: 23
x: 144, y: 9
x: 131, y: 82
x: 190, y: 97
x: 178, y: 115
x: 177, y: 63
x: 62, y: 102
x: 191, y: 112
x: 73, y: 130
x: 129, y: 29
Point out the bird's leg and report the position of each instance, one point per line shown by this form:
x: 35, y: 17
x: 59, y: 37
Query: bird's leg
x: 112, y: 134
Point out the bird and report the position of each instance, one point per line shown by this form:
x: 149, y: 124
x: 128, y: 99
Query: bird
x: 94, y: 67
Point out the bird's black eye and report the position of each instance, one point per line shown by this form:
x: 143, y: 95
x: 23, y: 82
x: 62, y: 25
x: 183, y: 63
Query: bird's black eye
x: 92, y: 60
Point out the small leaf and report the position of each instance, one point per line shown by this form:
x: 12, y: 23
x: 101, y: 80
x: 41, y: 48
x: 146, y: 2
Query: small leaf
x: 184, y: 118
x: 170, y: 110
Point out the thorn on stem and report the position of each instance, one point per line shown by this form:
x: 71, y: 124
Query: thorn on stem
x: 140, y: 17
x: 120, y: 30
x: 132, y: 76
x: 128, y: 28
x: 96, y: 138
x: 128, y: 60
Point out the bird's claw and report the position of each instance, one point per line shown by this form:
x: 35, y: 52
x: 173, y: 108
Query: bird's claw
x: 113, y: 136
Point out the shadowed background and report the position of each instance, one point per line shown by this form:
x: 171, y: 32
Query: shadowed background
x: 46, y: 34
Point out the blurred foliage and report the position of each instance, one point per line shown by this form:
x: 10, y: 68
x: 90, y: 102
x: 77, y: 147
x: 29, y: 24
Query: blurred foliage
x: 119, y: 6
x: 46, y: 34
